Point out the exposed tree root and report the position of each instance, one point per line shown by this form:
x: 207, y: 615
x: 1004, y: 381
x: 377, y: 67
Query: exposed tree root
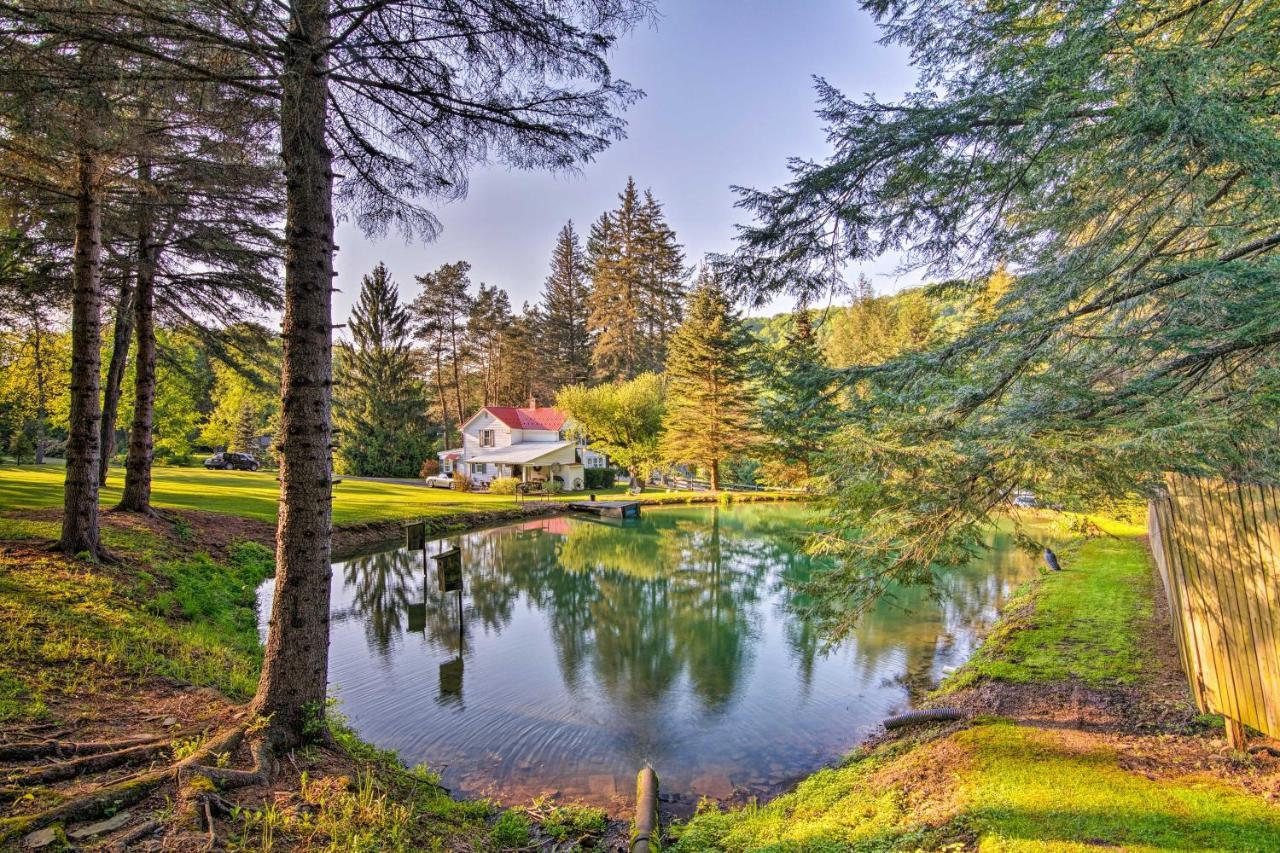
x: 118, y: 795
x: 136, y: 834
x: 40, y: 749
x: 90, y: 763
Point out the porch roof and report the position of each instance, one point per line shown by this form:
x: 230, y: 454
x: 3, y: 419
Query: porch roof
x: 520, y: 453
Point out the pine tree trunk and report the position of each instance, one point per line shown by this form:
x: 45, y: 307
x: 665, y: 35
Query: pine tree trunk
x: 80, y: 495
x: 137, y: 465
x: 444, y: 402
x: 291, y: 690
x: 42, y: 400
x: 122, y: 335
x: 715, y: 475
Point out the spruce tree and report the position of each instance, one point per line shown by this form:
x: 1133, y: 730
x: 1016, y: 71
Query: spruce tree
x: 565, y: 313
x: 245, y: 438
x: 662, y: 277
x: 380, y: 405
x: 636, y: 271
x: 796, y: 411
x: 709, y: 399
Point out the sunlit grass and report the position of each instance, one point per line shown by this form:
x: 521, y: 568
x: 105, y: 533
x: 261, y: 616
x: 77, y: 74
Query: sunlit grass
x: 255, y: 494
x: 1082, y: 623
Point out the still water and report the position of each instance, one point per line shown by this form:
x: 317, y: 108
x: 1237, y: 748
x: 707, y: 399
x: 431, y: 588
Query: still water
x: 586, y: 648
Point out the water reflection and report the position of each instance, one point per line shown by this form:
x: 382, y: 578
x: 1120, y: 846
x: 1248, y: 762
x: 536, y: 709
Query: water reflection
x: 584, y: 648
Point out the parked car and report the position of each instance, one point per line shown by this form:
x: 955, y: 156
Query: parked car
x: 234, y: 461
x: 1026, y: 500
x: 439, y: 481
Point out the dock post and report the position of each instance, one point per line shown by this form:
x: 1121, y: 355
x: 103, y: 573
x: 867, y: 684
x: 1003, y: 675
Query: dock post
x: 646, y: 827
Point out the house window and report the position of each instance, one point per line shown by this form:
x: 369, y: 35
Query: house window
x: 486, y: 438
x: 477, y: 467
x: 447, y: 467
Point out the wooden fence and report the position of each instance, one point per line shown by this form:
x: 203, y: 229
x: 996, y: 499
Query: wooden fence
x: 1217, y: 546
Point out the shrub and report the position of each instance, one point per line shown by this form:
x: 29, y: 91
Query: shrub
x: 512, y: 828
x: 599, y: 478
x: 461, y: 482
x: 430, y: 468
x: 553, y: 487
x: 503, y: 485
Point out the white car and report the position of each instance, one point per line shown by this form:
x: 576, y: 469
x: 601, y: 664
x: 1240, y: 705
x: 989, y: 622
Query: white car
x: 440, y: 481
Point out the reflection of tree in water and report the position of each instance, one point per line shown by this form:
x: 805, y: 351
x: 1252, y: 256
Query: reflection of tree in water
x: 677, y: 592
x: 961, y: 600
x: 383, y: 587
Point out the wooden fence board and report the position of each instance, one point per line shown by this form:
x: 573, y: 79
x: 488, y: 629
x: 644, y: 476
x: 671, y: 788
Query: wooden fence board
x: 1217, y: 547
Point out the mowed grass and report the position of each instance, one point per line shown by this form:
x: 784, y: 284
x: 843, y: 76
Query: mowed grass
x: 997, y: 786
x: 255, y: 494
x: 1084, y: 623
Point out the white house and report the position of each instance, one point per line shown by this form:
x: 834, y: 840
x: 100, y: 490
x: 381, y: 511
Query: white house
x: 531, y: 443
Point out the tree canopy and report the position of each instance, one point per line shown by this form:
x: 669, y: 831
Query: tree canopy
x: 1117, y: 161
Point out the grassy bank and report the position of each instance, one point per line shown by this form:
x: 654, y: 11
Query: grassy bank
x: 165, y: 640
x: 1069, y: 767
x: 254, y: 495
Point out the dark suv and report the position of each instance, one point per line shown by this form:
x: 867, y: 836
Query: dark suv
x: 237, y: 461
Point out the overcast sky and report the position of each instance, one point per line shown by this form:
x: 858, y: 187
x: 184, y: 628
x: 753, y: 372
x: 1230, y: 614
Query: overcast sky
x: 729, y: 97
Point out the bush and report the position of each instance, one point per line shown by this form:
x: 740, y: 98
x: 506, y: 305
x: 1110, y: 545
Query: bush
x: 553, y: 487
x: 461, y: 482
x: 430, y: 468
x: 599, y: 478
x: 503, y: 485
x: 512, y: 828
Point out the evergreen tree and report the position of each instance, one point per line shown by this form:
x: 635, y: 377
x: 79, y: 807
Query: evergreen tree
x: 636, y: 286
x: 380, y: 406
x: 662, y: 289
x: 566, y: 312
x: 441, y: 312
x: 1118, y: 161
x: 487, y: 324
x: 245, y: 438
x: 709, y: 403
x: 796, y: 411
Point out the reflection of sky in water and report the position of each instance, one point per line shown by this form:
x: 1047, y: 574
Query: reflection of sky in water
x: 588, y: 647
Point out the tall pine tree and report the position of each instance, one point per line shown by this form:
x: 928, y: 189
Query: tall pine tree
x: 441, y: 312
x: 709, y: 399
x: 636, y: 270
x: 380, y: 405
x: 796, y: 409
x: 565, y: 312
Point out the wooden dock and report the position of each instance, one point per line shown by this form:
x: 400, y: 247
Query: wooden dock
x: 609, y: 509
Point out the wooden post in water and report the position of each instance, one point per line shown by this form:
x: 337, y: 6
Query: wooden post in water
x: 646, y: 827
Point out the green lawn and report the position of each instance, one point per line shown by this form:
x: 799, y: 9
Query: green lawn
x: 254, y: 494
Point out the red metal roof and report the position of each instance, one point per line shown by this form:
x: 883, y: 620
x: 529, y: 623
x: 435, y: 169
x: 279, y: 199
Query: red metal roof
x: 543, y: 417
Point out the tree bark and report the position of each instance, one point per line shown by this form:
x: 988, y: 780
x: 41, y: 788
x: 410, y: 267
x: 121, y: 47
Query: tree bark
x: 291, y: 690
x: 80, y: 494
x: 121, y: 337
x: 137, y: 466
x: 715, y: 475
x: 42, y: 394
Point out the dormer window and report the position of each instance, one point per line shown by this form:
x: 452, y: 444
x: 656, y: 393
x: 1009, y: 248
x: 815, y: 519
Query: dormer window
x: 486, y: 438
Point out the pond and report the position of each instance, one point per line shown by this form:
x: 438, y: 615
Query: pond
x: 586, y: 648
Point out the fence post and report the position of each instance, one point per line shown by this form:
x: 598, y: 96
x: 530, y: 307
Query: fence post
x: 1235, y: 734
